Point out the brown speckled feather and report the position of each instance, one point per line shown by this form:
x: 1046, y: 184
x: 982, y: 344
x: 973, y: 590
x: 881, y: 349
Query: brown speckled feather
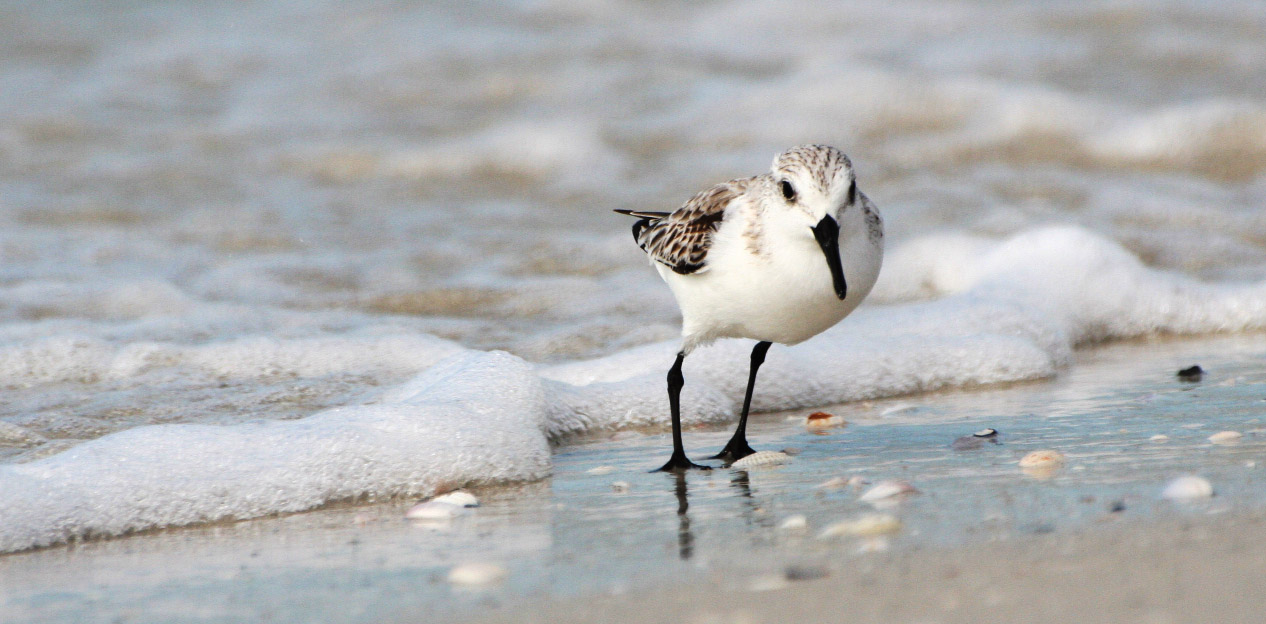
x: 680, y: 240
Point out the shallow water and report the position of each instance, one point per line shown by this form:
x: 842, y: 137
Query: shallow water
x: 287, y: 213
x: 572, y: 535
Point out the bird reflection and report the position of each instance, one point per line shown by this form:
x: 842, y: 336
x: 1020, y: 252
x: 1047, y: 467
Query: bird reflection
x: 750, y: 509
x: 685, y: 539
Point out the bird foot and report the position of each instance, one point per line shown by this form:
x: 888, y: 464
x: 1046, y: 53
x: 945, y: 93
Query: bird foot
x: 679, y: 463
x: 736, y: 449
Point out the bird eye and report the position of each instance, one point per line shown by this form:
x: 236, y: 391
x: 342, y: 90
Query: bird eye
x: 788, y: 192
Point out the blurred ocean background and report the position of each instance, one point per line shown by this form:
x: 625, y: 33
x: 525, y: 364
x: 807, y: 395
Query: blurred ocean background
x: 237, y: 214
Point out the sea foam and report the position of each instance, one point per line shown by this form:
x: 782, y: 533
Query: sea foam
x: 1013, y: 310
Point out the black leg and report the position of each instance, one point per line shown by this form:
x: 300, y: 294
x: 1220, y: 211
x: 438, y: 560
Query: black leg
x: 737, y: 447
x: 678, y: 462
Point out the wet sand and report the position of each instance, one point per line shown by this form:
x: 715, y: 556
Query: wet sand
x: 1196, y: 570
x: 605, y: 540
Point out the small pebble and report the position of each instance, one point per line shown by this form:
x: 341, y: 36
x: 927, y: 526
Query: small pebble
x: 762, y: 458
x: 870, y: 525
x: 1117, y: 507
x: 1160, y: 437
x: 476, y: 574
x: 601, y: 470
x: 1226, y: 437
x: 434, y: 510
x: 1187, y: 487
x: 823, y: 420
x: 794, y: 523
x: 459, y: 498
x: 620, y: 487
x: 888, y: 489
x: 1191, y: 374
x: 1045, y: 458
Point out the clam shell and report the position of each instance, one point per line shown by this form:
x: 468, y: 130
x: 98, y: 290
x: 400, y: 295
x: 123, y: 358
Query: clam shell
x: 796, y: 522
x: 1045, y: 458
x: 888, y: 489
x: 1226, y: 437
x: 434, y: 510
x: 459, y: 498
x: 1188, y: 487
x: 762, y: 458
x: 477, y: 573
x: 823, y: 420
x: 869, y: 525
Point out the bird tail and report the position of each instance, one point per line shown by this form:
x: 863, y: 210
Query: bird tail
x: 645, y: 218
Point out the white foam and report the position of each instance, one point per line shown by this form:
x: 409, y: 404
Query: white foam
x: 80, y: 358
x: 474, y: 418
x: 1015, y: 311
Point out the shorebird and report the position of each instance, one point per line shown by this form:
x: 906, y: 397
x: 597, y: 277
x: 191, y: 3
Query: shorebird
x: 777, y: 257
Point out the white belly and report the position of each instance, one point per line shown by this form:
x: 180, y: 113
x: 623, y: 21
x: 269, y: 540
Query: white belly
x: 786, y: 298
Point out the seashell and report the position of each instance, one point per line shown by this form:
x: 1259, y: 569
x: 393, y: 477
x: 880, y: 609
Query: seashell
x: 1186, y: 488
x: 794, y: 523
x: 762, y: 458
x: 888, y: 489
x: 1160, y: 437
x: 869, y: 525
x: 823, y: 420
x: 601, y: 470
x: 477, y: 573
x: 434, y: 510
x: 1226, y: 437
x: 835, y: 483
x: 1046, y: 458
x: 459, y: 498
x: 620, y: 487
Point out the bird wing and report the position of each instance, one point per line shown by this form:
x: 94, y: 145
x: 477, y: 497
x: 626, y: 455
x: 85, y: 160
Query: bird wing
x: 680, y: 240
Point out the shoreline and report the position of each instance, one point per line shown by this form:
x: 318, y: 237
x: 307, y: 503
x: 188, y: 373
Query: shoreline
x: 1203, y: 569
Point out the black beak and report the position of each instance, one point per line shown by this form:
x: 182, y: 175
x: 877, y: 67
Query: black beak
x: 827, y: 231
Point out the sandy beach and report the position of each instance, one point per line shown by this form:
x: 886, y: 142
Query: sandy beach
x: 272, y: 274
x: 1194, y: 570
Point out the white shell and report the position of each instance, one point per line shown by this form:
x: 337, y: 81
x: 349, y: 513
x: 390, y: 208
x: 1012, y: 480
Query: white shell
x: 762, y: 458
x: 834, y: 483
x: 1226, y: 437
x: 869, y: 525
x: 434, y: 510
x: 794, y: 523
x: 888, y: 489
x: 459, y: 498
x: 476, y: 574
x: 1188, y: 487
x: 1045, y: 458
x: 601, y: 470
x: 1160, y: 437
